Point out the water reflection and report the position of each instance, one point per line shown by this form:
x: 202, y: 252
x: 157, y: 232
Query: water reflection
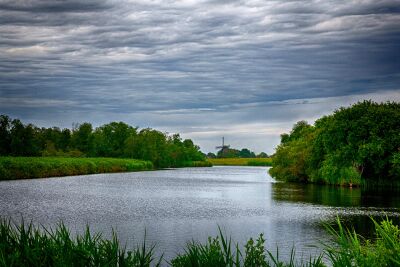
x: 354, y: 206
x: 336, y: 196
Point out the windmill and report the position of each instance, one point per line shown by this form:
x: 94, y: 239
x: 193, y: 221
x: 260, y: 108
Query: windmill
x: 224, y: 148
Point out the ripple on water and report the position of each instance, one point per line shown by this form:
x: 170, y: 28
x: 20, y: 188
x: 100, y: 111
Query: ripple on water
x: 178, y: 205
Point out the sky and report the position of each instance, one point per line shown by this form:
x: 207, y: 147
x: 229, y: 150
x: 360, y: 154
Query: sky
x: 245, y: 70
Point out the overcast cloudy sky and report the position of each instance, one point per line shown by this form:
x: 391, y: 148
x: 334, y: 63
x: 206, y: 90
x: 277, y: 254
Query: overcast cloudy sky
x: 246, y: 70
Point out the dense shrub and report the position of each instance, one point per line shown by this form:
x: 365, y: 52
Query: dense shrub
x: 355, y: 145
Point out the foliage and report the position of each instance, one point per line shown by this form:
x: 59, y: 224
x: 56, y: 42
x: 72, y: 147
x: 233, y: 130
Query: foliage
x: 116, y: 139
x: 26, y: 245
x: 211, y: 155
x: 197, y: 164
x: 353, y: 146
x: 241, y: 161
x: 351, y: 249
x: 262, y: 155
x: 37, y: 167
x: 266, y: 162
x: 236, y: 153
x: 221, y: 252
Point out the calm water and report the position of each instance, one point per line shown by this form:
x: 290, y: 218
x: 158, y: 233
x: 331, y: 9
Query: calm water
x: 176, y: 206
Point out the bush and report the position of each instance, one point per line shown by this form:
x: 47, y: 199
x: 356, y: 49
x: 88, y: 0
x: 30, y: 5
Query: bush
x: 357, y: 145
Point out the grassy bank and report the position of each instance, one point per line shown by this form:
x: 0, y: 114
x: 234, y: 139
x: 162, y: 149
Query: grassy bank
x: 242, y: 161
x: 197, y: 164
x: 26, y: 245
x: 39, y: 167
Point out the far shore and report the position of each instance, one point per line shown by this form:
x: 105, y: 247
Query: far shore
x: 15, y: 168
x: 241, y: 161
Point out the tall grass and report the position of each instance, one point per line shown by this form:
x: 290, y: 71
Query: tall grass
x: 38, y: 167
x: 221, y: 252
x: 351, y: 249
x: 196, y: 164
x: 241, y: 161
x: 27, y: 245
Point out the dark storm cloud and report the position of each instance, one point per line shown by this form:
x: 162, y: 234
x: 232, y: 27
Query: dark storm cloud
x: 195, y: 66
x: 44, y: 6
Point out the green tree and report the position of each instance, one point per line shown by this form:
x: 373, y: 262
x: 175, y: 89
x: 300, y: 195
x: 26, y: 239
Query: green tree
x: 5, y: 135
x: 23, y: 139
x: 354, y: 144
x: 262, y: 155
x: 110, y: 139
x: 246, y: 153
x: 115, y: 139
x: 82, y: 138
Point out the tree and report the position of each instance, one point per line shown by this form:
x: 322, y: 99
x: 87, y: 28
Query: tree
x: 211, y: 155
x: 115, y: 139
x: 262, y: 155
x: 23, y: 139
x: 82, y: 138
x: 353, y: 144
x: 246, y: 153
x: 109, y: 139
x: 5, y: 135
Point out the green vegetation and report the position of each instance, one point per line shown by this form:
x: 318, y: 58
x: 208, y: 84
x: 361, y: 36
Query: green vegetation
x: 220, y: 251
x: 351, y: 249
x: 38, y: 167
x: 116, y: 140
x: 227, y: 152
x: 27, y: 245
x: 241, y: 161
x: 197, y: 164
x: 358, y: 145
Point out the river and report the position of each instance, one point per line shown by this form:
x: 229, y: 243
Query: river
x: 179, y: 205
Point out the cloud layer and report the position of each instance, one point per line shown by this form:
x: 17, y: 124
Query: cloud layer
x: 243, y: 69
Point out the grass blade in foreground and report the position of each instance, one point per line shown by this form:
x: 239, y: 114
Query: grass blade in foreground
x: 351, y: 249
x: 26, y: 245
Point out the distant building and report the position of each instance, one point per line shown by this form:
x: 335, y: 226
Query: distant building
x: 224, y: 149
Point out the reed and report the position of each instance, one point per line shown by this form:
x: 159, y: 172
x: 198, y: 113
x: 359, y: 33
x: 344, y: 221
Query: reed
x: 222, y: 252
x: 26, y: 245
x: 351, y: 249
x: 197, y: 164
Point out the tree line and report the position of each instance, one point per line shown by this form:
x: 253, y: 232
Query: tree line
x: 355, y: 145
x: 236, y: 153
x: 115, y: 139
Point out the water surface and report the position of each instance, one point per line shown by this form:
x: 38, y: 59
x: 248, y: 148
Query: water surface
x: 176, y: 206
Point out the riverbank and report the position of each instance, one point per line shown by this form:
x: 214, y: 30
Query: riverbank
x: 241, y: 161
x: 25, y: 244
x: 41, y: 167
x: 196, y: 164
x: 13, y: 168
